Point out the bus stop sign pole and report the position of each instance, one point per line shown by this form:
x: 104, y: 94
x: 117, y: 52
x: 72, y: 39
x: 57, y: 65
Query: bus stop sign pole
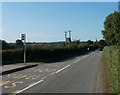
x: 23, y: 37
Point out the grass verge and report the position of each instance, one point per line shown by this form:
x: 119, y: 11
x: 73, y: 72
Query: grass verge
x: 111, y: 61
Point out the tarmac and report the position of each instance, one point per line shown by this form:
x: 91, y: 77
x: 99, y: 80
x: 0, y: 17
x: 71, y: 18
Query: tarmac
x: 7, y: 69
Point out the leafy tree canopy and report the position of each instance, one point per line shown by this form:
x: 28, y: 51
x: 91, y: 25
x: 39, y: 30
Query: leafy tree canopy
x: 19, y: 42
x: 90, y: 42
x: 102, y: 43
x: 112, y: 29
x: 4, y: 44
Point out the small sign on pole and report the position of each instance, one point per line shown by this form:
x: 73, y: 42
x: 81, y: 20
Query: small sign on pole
x: 23, y: 37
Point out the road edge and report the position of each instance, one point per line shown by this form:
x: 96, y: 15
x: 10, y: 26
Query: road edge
x: 100, y: 82
x: 18, y: 69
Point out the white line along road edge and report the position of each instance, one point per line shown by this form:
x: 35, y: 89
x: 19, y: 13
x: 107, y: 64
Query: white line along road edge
x: 76, y: 60
x: 28, y: 87
x: 62, y: 69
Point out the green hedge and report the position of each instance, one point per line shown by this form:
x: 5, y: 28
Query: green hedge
x: 112, y: 62
x: 45, y: 53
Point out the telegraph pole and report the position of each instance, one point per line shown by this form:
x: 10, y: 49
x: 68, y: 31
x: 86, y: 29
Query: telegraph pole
x: 69, y: 35
x: 66, y: 36
x: 23, y: 37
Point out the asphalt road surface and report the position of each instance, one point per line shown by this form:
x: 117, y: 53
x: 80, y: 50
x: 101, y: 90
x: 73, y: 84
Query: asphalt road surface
x: 75, y: 75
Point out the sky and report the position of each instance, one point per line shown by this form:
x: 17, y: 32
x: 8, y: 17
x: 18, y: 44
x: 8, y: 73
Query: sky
x: 47, y: 21
x: 59, y: 0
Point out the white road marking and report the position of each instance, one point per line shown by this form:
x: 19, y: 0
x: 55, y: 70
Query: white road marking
x: 83, y: 56
x: 28, y: 87
x: 86, y: 55
x: 92, y: 52
x: 76, y: 60
x: 62, y: 69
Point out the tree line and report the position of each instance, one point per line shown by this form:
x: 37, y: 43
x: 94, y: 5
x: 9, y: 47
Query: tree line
x: 19, y: 44
x: 111, y: 53
x: 111, y: 32
x: 6, y: 45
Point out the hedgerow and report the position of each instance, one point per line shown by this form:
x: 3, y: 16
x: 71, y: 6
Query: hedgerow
x: 112, y: 62
x: 45, y: 53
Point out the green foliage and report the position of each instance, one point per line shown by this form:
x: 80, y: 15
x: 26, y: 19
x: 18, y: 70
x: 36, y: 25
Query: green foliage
x: 12, y: 56
x: 102, y: 43
x: 5, y: 45
x: 19, y: 43
x: 112, y: 29
x: 112, y: 61
x: 46, y: 52
x: 90, y: 42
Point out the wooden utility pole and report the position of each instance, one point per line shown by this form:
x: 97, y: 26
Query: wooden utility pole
x: 66, y: 36
x: 70, y: 36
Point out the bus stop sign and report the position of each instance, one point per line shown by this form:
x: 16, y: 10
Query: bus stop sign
x: 23, y: 37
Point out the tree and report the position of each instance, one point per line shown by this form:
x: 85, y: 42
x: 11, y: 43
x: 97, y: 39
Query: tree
x: 5, y: 45
x: 112, y: 29
x: 77, y: 41
x: 19, y: 43
x: 90, y: 42
x: 102, y: 43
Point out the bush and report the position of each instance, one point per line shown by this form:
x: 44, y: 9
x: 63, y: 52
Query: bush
x: 112, y: 29
x: 12, y: 56
x: 112, y: 62
x: 45, y: 53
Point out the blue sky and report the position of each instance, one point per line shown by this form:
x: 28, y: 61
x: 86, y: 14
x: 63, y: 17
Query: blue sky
x: 46, y: 22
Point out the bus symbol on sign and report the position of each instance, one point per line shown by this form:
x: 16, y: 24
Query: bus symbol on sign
x: 23, y: 37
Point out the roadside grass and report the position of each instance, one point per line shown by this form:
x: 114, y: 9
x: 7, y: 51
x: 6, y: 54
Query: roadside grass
x: 46, y: 53
x: 111, y: 60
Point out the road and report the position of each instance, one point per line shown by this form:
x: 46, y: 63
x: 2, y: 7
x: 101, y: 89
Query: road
x: 75, y: 75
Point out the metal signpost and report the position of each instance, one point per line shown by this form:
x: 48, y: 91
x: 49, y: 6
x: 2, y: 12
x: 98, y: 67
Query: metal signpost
x: 23, y: 37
